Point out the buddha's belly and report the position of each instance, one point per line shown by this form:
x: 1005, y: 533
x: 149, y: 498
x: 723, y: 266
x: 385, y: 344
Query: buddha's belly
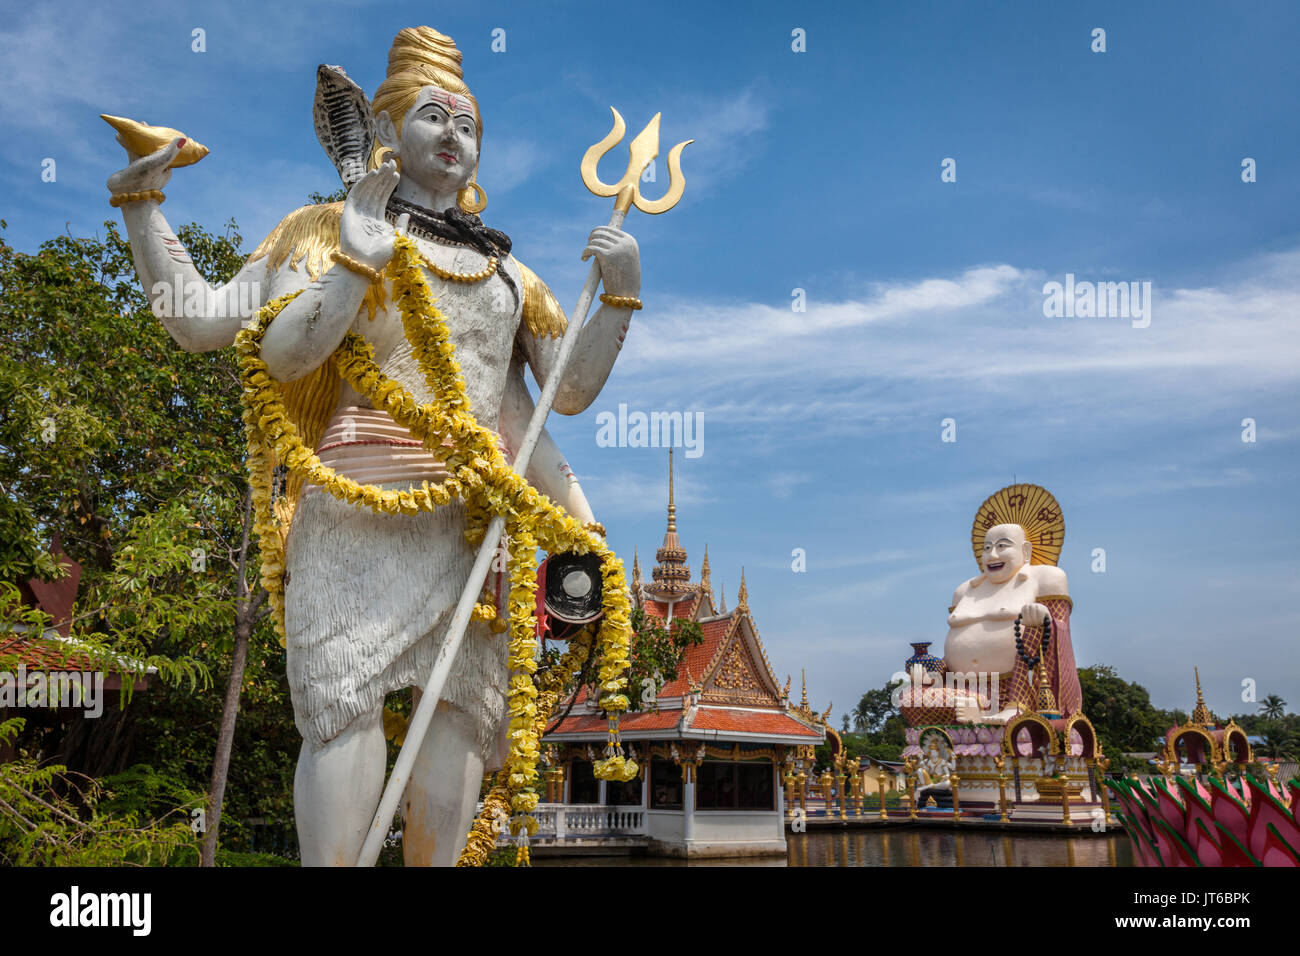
x: 988, y: 646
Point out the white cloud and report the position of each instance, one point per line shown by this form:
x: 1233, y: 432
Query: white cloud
x: 977, y: 342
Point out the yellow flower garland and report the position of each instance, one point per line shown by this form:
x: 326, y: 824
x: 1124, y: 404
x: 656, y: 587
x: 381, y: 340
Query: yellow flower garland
x: 479, y: 475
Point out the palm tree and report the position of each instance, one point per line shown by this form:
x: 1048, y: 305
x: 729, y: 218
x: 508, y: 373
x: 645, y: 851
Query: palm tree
x: 1272, y: 707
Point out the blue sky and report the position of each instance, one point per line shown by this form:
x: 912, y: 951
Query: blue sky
x: 820, y: 171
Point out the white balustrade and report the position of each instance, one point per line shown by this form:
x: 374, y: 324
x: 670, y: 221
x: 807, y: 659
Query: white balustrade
x: 558, y: 822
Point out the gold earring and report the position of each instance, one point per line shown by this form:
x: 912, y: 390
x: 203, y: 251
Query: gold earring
x: 472, y: 199
x: 382, y: 157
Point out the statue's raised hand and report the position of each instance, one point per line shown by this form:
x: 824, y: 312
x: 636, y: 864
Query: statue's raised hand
x: 619, y: 258
x: 145, y: 172
x: 364, y: 233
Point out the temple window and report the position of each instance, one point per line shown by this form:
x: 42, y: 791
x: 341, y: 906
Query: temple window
x: 583, y: 786
x: 623, y: 794
x: 665, y: 785
x: 731, y: 785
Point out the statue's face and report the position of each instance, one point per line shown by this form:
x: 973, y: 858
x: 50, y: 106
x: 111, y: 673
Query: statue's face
x: 439, y: 144
x: 1006, y: 551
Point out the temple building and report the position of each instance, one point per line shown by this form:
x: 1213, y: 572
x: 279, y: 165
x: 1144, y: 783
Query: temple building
x: 1205, y: 741
x: 713, y: 744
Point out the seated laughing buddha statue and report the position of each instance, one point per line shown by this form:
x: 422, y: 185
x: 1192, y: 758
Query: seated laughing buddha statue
x: 1017, y: 537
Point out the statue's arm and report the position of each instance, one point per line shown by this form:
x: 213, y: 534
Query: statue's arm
x: 1052, y: 581
x: 602, y: 337
x: 956, y: 619
x: 548, y: 472
x: 310, y: 328
x: 589, y: 366
x: 199, y: 316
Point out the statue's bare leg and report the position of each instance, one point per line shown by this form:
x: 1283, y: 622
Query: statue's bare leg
x: 443, y: 790
x: 336, y: 790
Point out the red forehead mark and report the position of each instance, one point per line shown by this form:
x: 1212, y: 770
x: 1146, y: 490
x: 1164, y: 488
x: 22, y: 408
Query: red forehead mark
x: 451, y: 101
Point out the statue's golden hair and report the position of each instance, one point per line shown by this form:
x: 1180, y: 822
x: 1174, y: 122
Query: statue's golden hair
x: 419, y: 57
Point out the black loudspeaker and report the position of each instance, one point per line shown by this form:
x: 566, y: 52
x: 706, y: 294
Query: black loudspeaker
x: 573, y: 592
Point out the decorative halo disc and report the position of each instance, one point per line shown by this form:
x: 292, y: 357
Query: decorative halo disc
x: 1031, y: 507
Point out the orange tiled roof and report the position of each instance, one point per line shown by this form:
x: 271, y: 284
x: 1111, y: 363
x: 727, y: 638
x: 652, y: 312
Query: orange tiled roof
x: 751, y: 722
x: 683, y: 609
x: 596, y: 723
x: 43, y: 654
x: 698, y: 658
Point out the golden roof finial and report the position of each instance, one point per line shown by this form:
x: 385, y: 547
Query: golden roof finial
x: 722, y: 599
x: 690, y: 682
x: 705, y: 584
x: 671, y: 577
x: 803, y: 702
x: 742, y: 598
x: 1201, y: 715
x: 672, y: 508
x: 785, y: 691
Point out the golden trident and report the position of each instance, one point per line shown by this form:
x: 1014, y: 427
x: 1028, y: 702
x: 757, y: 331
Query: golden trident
x: 643, y: 149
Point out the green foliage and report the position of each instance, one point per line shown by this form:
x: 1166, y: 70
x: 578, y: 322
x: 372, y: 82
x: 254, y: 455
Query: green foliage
x: 864, y: 745
x: 1273, y: 707
x: 656, y: 652
x: 318, y: 199
x: 875, y: 707
x: 1278, y: 740
x: 1122, y: 713
x: 49, y: 817
x: 132, y: 451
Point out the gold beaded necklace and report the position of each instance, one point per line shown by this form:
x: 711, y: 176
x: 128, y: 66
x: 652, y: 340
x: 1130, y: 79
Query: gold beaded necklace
x: 467, y: 278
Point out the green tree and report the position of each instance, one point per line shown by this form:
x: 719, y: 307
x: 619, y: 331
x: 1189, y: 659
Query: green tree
x: 1121, y: 711
x: 132, y: 451
x: 1277, y: 740
x: 1272, y: 707
x: 873, y: 710
x: 656, y: 653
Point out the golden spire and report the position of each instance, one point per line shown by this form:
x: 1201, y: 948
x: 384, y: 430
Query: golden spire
x: 705, y: 584
x: 722, y: 599
x: 671, y: 577
x: 742, y: 598
x: 672, y: 508
x: 636, y: 572
x: 1201, y: 715
x: 803, y: 674
x: 1046, y: 700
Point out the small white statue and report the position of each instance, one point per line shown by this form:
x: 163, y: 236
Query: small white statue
x: 937, y: 761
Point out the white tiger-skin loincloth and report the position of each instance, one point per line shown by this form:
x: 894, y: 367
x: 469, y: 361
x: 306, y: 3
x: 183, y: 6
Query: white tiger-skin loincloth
x: 368, y: 597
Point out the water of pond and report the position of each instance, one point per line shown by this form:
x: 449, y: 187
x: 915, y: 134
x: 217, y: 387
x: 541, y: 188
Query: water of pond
x: 910, y: 848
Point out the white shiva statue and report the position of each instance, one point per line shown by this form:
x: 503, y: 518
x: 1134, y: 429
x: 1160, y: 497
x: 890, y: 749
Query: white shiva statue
x: 368, y: 597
